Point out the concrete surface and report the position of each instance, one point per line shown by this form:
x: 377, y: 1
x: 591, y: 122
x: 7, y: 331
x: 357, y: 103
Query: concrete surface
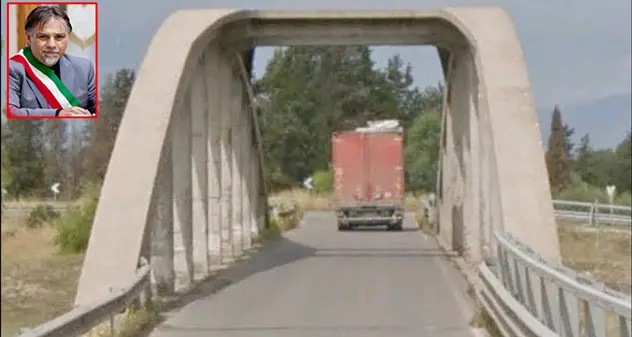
x: 316, y: 281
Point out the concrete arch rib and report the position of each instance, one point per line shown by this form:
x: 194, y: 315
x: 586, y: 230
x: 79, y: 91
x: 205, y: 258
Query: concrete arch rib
x: 504, y: 94
x: 119, y: 229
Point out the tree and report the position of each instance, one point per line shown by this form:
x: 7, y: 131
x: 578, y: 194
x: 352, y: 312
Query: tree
x: 314, y: 91
x: 556, y: 155
x: 422, y: 151
x: 23, y: 151
x: 623, y: 176
x: 568, y: 140
x: 112, y: 101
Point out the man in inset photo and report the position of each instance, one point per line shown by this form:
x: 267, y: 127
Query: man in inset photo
x: 43, y: 80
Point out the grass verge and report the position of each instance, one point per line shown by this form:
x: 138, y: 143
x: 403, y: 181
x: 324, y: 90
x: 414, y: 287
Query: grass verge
x: 309, y: 201
x: 605, y: 254
x: 37, y: 283
x: 278, y: 225
x: 132, y: 323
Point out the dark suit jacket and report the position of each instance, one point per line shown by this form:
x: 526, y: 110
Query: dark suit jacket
x: 76, y: 73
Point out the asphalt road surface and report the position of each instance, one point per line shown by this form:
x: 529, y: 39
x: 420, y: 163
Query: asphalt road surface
x: 318, y: 282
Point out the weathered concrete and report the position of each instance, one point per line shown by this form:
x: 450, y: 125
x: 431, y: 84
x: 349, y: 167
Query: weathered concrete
x: 211, y: 66
x: 317, y: 281
x: 182, y: 193
x: 492, y: 172
x: 200, y: 172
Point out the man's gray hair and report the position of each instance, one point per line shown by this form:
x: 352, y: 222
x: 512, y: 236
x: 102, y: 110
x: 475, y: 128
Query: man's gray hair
x: 42, y: 14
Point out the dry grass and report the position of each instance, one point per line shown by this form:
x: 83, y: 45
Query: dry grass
x: 37, y: 283
x: 605, y: 254
x: 308, y: 201
x: 33, y: 203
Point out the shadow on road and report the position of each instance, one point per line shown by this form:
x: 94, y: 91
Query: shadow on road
x: 274, y: 253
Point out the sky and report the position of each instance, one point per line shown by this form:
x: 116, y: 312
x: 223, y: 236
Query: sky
x: 576, y: 51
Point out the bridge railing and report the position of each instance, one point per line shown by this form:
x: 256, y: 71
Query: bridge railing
x: 594, y: 213
x: 81, y: 320
x: 528, y: 296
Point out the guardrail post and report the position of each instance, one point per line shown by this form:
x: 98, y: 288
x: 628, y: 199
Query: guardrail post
x: 591, y: 214
x: 145, y: 299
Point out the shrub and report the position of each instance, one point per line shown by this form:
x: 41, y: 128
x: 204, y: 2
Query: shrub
x: 323, y: 181
x: 581, y: 191
x: 40, y: 215
x: 74, y: 227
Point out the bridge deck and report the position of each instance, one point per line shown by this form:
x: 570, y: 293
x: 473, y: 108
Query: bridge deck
x: 316, y: 281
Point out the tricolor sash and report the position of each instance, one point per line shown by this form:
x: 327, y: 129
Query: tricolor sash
x: 48, y: 84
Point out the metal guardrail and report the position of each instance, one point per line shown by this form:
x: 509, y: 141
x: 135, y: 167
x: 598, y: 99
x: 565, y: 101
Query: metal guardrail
x: 594, y: 214
x: 81, y: 320
x: 528, y: 296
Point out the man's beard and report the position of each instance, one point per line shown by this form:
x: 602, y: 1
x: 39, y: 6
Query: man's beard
x: 50, y: 60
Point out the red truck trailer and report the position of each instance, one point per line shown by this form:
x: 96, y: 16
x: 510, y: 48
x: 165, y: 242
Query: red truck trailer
x: 368, y: 178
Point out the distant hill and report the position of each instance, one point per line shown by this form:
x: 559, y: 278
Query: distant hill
x: 606, y: 120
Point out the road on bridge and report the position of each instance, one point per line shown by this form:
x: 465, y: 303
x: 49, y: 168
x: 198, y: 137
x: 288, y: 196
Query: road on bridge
x: 318, y: 282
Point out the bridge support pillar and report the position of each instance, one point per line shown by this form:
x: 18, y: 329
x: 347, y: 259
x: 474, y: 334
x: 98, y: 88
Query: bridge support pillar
x: 255, y: 189
x: 211, y: 72
x: 225, y: 78
x: 247, y: 101
x: 236, y: 111
x: 161, y: 225
x: 200, y: 107
x: 182, y: 191
x: 246, y: 147
x: 461, y: 191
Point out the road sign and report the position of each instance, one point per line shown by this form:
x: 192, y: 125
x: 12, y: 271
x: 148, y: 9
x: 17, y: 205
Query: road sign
x: 55, y: 189
x: 308, y: 183
x: 610, y: 190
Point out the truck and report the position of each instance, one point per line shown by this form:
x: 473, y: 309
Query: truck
x: 368, y: 176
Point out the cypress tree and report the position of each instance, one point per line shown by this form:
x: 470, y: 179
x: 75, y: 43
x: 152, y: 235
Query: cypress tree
x: 556, y: 155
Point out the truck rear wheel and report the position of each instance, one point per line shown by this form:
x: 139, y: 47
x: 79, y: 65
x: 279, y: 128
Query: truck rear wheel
x: 342, y: 227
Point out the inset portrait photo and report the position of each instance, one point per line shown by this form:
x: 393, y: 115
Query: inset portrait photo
x: 52, y: 52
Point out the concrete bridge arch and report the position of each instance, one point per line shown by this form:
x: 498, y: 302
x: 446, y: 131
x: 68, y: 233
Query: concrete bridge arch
x: 187, y: 163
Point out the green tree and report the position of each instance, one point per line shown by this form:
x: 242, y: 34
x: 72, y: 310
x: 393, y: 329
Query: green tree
x: 623, y: 176
x: 556, y: 155
x: 23, y: 154
x: 310, y: 92
x: 568, y: 140
x: 422, y: 151
x: 113, y: 97
x: 313, y: 91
